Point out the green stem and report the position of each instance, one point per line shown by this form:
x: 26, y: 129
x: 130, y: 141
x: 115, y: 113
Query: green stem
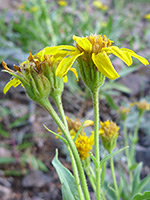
x: 135, y: 140
x: 58, y: 102
x: 114, y: 178
x: 46, y: 104
x: 96, y: 142
x: 90, y: 174
x: 127, y: 152
x: 76, y: 175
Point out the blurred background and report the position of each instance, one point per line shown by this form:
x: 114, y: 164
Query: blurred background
x: 26, y: 148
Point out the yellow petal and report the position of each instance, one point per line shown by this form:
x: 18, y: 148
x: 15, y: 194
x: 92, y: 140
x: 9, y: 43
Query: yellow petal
x: 104, y: 65
x: 66, y: 63
x: 120, y: 54
x: 133, y: 54
x: 65, y: 79
x: 88, y: 123
x: 84, y: 43
x: 55, y: 50
x: 75, y: 73
x: 13, y: 82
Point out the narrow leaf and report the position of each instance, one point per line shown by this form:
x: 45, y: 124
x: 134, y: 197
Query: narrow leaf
x: 110, y: 155
x: 79, y: 131
x: 56, y: 134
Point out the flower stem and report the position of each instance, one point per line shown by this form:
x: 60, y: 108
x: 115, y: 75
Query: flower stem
x: 127, y: 152
x: 114, y: 178
x: 76, y: 175
x: 96, y: 142
x: 135, y: 139
x: 58, y: 102
x: 46, y: 104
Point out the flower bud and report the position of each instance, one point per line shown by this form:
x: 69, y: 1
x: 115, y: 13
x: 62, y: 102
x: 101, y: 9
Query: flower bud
x: 109, y: 134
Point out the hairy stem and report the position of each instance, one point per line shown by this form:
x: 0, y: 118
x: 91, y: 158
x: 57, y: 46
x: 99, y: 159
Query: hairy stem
x: 96, y: 142
x: 46, y: 104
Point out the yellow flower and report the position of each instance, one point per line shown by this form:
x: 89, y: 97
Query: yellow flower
x: 99, y: 5
x: 33, y: 9
x: 96, y: 48
x: 147, y: 16
x: 74, y: 126
x: 142, y: 106
x: 109, y: 133
x: 62, y: 3
x: 123, y: 112
x: 84, y: 145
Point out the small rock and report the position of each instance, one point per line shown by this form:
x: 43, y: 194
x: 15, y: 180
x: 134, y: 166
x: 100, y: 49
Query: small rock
x: 36, y: 178
x: 5, y: 182
x: 5, y: 193
x: 4, y: 152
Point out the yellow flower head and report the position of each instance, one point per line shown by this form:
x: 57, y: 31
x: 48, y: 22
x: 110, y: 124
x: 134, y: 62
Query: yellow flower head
x: 109, y: 132
x: 95, y: 50
x: 147, y: 16
x: 62, y: 3
x: 84, y: 145
x: 142, y: 106
x: 99, y: 5
x: 123, y: 112
x: 74, y: 126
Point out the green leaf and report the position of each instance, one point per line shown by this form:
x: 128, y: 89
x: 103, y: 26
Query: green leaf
x: 79, y: 131
x: 110, y: 155
x: 145, y: 196
x: 69, y: 188
x: 56, y: 134
x: 141, y: 185
x: 111, y: 102
x: 42, y: 166
x: 136, y: 177
x: 7, y: 160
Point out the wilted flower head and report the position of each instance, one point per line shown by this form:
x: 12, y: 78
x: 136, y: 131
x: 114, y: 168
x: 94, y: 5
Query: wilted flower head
x: 99, y: 5
x: 84, y: 145
x: 37, y: 75
x: 74, y: 126
x: 142, y: 106
x: 109, y: 133
x: 92, y: 53
x: 123, y: 112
